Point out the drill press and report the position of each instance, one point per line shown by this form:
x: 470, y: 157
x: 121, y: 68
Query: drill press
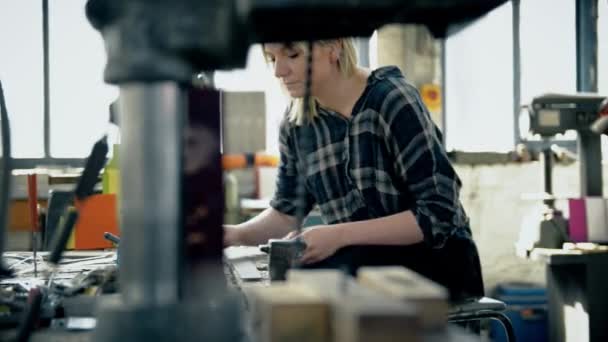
x: 550, y: 115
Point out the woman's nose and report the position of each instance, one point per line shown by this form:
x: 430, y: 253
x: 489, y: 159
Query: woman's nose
x: 280, y: 68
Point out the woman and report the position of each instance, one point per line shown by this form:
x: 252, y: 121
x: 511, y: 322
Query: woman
x: 375, y: 166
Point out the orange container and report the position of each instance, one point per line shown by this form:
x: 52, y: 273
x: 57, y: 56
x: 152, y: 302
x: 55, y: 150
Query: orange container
x: 96, y: 215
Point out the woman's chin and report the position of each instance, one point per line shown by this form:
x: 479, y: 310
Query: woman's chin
x: 296, y: 94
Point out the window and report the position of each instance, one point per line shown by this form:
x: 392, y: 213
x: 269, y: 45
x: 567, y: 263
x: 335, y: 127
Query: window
x: 79, y: 98
x: 479, y: 70
x: 479, y: 75
x: 479, y: 84
x: 547, y: 65
x: 21, y: 74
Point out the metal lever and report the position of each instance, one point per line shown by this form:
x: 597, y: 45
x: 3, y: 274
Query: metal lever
x: 62, y: 236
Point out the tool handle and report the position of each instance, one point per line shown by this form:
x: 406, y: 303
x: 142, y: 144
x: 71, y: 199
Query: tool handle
x: 62, y: 235
x: 90, y: 175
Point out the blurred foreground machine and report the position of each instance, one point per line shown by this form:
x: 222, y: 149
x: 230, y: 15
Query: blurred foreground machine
x: 172, y: 284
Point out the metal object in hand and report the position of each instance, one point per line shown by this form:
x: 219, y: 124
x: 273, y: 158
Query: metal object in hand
x: 283, y: 255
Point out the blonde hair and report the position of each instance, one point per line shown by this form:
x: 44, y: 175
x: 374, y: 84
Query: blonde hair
x: 347, y: 63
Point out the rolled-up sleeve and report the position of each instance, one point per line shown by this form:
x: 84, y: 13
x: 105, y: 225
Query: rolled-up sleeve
x: 285, y: 198
x: 422, y: 163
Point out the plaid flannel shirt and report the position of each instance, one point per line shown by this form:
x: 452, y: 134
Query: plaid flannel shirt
x: 387, y: 158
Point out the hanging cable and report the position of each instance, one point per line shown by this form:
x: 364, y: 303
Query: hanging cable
x: 300, y: 202
x: 301, y: 186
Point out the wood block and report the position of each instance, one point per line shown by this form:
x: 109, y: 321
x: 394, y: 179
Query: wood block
x: 358, y: 313
x: 286, y: 312
x: 370, y: 320
x: 429, y: 298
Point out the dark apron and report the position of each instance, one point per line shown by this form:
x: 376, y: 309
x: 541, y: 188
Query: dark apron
x: 456, y: 265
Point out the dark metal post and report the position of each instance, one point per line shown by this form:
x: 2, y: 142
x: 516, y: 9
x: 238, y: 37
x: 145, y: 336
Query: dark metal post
x: 516, y: 70
x: 589, y: 143
x: 548, y: 174
x: 46, y: 79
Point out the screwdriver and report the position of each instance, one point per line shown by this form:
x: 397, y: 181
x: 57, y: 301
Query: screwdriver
x: 32, y: 201
x: 111, y: 237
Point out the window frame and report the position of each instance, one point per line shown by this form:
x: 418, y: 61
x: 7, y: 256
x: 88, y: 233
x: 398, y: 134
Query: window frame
x: 46, y: 159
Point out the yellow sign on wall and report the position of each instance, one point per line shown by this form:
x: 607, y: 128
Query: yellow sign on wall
x: 431, y: 96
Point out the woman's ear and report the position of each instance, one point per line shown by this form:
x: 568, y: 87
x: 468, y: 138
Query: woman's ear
x: 336, y: 51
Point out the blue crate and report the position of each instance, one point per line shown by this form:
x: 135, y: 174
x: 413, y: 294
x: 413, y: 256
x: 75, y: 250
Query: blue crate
x: 527, y: 309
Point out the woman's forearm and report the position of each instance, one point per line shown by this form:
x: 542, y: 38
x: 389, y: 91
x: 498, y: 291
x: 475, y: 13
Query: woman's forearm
x: 396, y: 229
x: 269, y: 224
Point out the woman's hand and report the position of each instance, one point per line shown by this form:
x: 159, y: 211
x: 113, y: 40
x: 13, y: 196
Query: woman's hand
x: 321, y: 242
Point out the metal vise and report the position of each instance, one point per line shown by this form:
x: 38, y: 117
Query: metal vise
x: 283, y: 255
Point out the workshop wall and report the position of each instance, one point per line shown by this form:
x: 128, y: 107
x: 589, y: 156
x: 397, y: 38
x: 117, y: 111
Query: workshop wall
x: 492, y: 196
x: 400, y: 44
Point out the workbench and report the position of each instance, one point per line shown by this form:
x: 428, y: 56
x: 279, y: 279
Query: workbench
x: 578, y: 299
x: 75, y: 269
x: 244, y: 267
x: 247, y: 267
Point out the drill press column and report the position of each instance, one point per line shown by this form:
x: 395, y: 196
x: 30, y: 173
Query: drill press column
x: 151, y: 125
